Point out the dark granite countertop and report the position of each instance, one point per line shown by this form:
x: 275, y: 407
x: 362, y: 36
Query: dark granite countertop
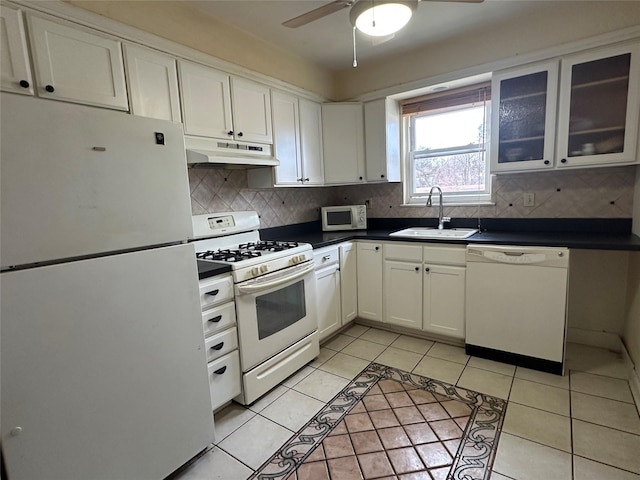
x: 208, y: 269
x: 594, y: 234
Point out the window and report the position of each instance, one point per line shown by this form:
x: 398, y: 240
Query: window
x: 448, y: 140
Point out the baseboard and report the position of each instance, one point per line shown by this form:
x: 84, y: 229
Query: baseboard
x: 610, y: 341
x: 634, y: 375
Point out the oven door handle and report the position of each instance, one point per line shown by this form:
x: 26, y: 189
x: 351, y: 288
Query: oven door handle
x: 261, y: 284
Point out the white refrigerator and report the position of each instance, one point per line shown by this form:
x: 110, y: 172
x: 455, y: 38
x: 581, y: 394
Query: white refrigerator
x: 103, y: 368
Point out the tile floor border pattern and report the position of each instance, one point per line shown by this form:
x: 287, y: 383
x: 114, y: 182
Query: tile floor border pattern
x: 473, y: 459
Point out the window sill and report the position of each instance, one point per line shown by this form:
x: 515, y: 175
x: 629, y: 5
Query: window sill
x: 452, y: 204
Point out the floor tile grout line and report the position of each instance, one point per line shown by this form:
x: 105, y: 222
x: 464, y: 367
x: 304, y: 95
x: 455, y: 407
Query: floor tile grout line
x: 604, y: 398
x: 534, y: 441
x: 540, y: 409
x: 573, y: 473
x: 235, y: 458
x: 603, y: 463
x: 606, y: 426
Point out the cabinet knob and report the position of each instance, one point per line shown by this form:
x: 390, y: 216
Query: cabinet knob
x: 360, y: 178
x: 220, y: 371
x: 564, y: 160
x: 230, y: 132
x: 546, y: 162
x: 240, y: 134
x: 24, y: 84
x: 306, y: 179
x: 298, y: 179
x: 382, y: 176
x: 417, y: 269
x: 49, y: 88
x: 377, y: 248
x: 427, y: 269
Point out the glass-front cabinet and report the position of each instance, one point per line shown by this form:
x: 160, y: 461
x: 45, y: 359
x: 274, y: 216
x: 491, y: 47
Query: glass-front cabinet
x: 599, y: 107
x: 524, y: 119
x: 576, y: 111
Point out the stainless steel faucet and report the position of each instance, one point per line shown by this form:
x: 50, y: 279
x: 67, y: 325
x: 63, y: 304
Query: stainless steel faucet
x: 441, y: 217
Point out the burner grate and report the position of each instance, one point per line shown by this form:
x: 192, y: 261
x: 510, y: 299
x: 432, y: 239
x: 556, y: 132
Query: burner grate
x: 227, y: 255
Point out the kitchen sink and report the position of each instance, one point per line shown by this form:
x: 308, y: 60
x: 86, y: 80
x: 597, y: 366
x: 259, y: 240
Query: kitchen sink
x: 428, y: 232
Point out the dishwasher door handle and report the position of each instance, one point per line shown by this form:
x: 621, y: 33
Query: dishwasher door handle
x: 518, y: 258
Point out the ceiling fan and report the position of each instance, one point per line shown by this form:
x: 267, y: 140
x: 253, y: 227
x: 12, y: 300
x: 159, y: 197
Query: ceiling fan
x: 372, y: 17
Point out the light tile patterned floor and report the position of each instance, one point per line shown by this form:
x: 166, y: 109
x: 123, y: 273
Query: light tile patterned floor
x: 583, y: 426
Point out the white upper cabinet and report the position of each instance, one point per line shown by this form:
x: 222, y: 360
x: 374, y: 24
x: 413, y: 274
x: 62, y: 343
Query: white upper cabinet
x: 343, y: 143
x: 206, y: 101
x: 15, y: 72
x: 524, y: 117
x: 216, y: 105
x: 153, y: 83
x: 251, y: 104
x: 77, y: 65
x: 311, y: 142
x: 593, y: 123
x: 382, y: 140
x: 599, y: 107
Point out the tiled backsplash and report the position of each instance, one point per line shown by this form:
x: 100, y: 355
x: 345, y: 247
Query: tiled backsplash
x: 589, y: 193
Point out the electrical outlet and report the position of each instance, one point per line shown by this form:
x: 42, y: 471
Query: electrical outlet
x: 529, y: 199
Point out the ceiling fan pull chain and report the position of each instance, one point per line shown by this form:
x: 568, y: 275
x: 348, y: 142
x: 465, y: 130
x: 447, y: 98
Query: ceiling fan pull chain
x: 355, y: 62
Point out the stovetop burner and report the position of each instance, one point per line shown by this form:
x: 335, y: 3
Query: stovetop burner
x: 267, y: 246
x: 227, y: 255
x: 246, y: 251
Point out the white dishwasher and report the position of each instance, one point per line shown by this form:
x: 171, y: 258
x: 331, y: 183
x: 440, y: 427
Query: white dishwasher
x: 516, y: 305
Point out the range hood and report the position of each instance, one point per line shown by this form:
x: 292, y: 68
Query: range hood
x: 212, y: 152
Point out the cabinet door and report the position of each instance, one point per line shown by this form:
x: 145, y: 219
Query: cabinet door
x: 286, y: 138
x: 15, y: 72
x: 382, y: 140
x: 524, y: 118
x: 343, y: 143
x: 369, y: 280
x: 328, y: 301
x: 206, y: 101
x: 443, y: 299
x: 311, y: 142
x: 77, y: 66
x: 251, y: 111
x: 599, y: 107
x: 403, y: 294
x: 348, y: 282
x: 153, y: 83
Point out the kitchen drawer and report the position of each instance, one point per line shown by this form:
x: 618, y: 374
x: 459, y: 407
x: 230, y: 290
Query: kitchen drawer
x: 409, y: 253
x: 325, y: 256
x: 221, y: 343
x: 446, y: 255
x: 216, y: 290
x: 218, y: 318
x: 224, y: 379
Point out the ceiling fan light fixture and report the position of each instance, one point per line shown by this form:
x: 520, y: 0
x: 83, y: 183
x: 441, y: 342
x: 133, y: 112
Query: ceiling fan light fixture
x: 380, y: 18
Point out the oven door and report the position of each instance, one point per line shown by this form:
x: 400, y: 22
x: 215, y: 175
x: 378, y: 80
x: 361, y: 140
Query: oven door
x: 275, y: 311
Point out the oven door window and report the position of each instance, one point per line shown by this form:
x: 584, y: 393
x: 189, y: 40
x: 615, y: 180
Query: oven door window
x: 280, y: 309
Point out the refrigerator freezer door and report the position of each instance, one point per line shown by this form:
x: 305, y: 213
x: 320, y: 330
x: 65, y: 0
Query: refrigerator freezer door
x: 103, y: 368
x: 78, y: 180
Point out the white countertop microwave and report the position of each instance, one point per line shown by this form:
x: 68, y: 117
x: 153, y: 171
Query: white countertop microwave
x: 344, y: 217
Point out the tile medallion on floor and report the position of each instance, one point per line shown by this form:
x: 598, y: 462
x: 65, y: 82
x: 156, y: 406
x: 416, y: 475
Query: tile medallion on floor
x: 584, y: 469
x: 607, y: 387
x: 265, y: 438
x: 321, y: 385
x: 539, y: 426
x: 344, y: 365
x: 439, y: 369
x: 215, y: 465
x: 364, y: 349
x: 603, y: 411
x: 338, y: 342
x: 606, y: 445
x: 448, y: 352
x: 538, y: 395
x: 484, y: 381
x: 558, y: 381
x: 413, y: 344
x: 397, y: 358
x: 292, y: 410
x: 379, y: 336
x: 491, y: 366
x: 526, y: 460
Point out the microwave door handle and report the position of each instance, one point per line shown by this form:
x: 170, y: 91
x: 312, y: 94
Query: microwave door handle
x: 261, y: 286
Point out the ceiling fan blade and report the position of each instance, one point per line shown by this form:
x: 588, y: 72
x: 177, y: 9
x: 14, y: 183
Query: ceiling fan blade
x: 318, y: 13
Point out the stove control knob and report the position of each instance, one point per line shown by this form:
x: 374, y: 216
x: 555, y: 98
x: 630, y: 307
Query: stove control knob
x: 302, y: 258
x: 255, y: 271
x: 295, y: 259
x: 264, y: 269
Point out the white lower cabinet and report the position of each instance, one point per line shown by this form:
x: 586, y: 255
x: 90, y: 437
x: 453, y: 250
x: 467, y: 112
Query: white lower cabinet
x: 403, y: 285
x: 224, y: 379
x: 369, y: 280
x: 443, y: 300
x: 328, y: 294
x: 348, y: 281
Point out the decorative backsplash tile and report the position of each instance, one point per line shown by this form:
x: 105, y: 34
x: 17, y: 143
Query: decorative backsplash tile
x: 588, y: 193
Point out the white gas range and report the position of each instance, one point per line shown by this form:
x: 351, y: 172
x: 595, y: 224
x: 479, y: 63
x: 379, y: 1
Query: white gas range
x: 275, y: 294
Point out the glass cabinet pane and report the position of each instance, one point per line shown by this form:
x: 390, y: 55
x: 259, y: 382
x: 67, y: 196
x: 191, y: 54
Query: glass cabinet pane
x: 598, y: 106
x: 522, y: 114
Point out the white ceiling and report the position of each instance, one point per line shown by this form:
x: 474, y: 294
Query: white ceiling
x: 328, y: 41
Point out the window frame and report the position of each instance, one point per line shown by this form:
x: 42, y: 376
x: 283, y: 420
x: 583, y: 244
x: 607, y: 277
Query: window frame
x: 448, y: 198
